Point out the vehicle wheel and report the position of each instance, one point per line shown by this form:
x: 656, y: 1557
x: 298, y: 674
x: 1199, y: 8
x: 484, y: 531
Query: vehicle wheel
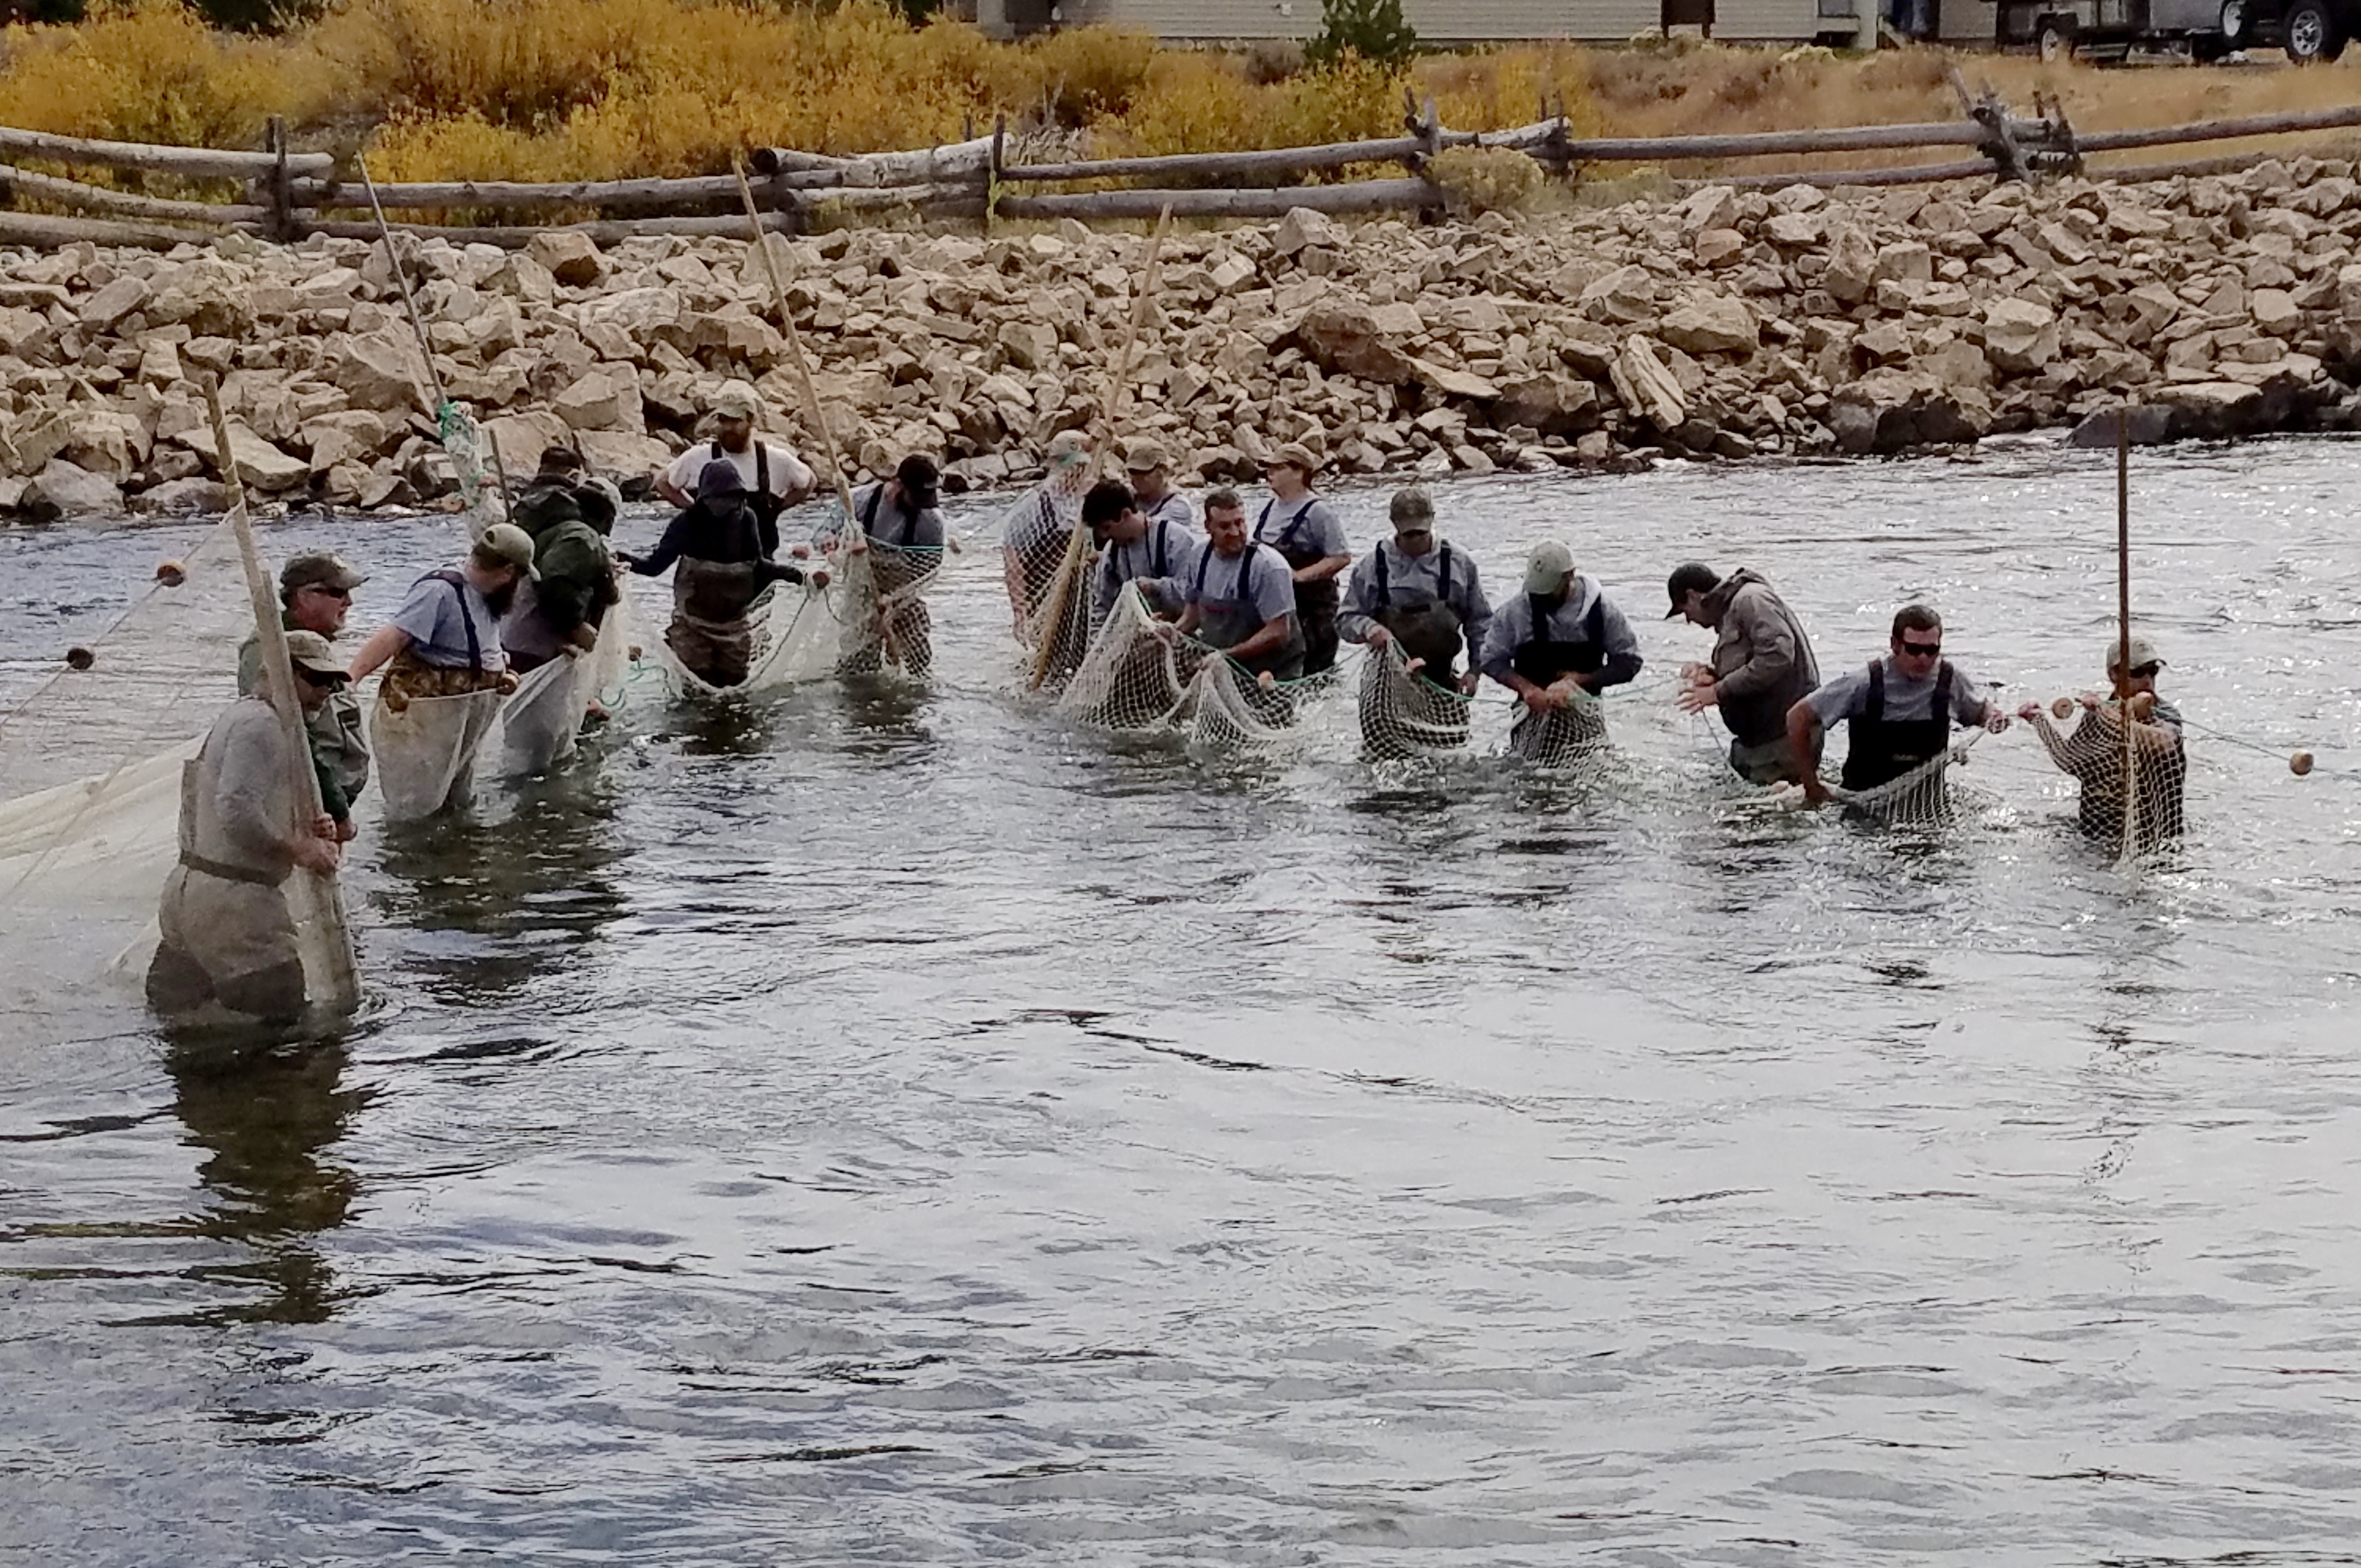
x: 2237, y: 24
x: 2311, y: 32
x: 2055, y: 41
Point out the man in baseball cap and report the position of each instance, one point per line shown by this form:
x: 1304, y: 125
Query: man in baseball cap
x: 1414, y: 589
x: 774, y: 478
x: 315, y: 594
x: 2140, y: 813
x: 1150, y: 469
x: 1762, y: 665
x: 1560, y: 638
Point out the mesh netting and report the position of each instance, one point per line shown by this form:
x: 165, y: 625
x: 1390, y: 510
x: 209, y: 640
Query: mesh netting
x: 425, y: 750
x: 796, y: 638
x: 480, y: 489
x: 1404, y: 715
x: 1142, y: 677
x: 543, y: 717
x: 876, y: 600
x: 2131, y: 793
x: 1048, y: 579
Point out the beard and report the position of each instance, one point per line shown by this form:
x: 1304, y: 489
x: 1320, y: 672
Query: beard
x: 502, y: 599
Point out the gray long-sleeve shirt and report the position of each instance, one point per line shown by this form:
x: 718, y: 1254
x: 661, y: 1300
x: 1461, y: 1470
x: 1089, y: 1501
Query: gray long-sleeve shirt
x: 1166, y: 555
x: 1512, y: 627
x: 1410, y: 578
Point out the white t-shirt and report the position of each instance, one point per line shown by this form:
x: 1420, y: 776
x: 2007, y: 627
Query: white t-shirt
x: 788, y: 473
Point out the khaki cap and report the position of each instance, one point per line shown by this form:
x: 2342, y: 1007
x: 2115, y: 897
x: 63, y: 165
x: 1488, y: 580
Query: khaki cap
x: 319, y: 569
x: 1145, y: 454
x: 1294, y: 455
x: 736, y: 400
x: 2143, y: 654
x: 508, y: 544
x: 310, y: 651
x: 1547, y: 568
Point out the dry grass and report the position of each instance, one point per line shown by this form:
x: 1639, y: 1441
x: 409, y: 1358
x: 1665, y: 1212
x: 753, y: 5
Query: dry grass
x: 601, y: 89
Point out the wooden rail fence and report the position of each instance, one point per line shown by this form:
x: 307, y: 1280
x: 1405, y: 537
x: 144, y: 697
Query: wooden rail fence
x: 288, y: 194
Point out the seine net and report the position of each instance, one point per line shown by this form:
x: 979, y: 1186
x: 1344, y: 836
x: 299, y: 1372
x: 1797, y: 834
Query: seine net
x: 1404, y: 715
x: 426, y: 748
x: 2131, y: 793
x: 1560, y: 736
x: 1035, y: 536
x: 1922, y: 798
x: 1134, y: 678
x: 795, y: 632
x: 542, y: 719
x: 877, y: 601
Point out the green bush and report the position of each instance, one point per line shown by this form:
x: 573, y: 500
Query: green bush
x: 1375, y: 30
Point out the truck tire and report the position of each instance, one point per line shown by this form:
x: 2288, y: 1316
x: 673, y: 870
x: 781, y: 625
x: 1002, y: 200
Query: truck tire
x: 2053, y: 40
x: 2237, y: 24
x: 2312, y: 33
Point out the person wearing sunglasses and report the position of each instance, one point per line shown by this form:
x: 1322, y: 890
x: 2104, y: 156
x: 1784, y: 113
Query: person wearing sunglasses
x: 315, y: 594
x: 1898, y: 711
x: 2094, y: 750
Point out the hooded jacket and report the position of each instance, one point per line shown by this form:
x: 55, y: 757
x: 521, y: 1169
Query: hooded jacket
x: 1763, y: 662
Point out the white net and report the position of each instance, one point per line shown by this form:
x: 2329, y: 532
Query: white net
x: 877, y: 599
x: 425, y: 750
x: 542, y: 721
x: 1134, y: 677
x: 480, y: 487
x: 1406, y: 716
x: 1049, y: 580
x: 2131, y: 785
x: 796, y: 636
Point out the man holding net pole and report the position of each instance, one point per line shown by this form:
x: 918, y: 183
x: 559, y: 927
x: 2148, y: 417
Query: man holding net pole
x: 2131, y: 787
x: 1898, y: 711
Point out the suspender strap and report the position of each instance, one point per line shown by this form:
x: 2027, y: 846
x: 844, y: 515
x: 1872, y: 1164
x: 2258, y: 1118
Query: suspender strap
x: 1873, y: 705
x: 458, y: 587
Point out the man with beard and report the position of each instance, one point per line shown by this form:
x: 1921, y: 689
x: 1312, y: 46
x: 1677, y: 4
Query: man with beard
x: 1557, y: 645
x: 773, y: 477
x: 315, y: 594
x: 1762, y: 665
x: 714, y: 550
x: 445, y: 640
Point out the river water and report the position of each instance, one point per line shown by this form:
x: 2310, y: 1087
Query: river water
x: 896, y: 1127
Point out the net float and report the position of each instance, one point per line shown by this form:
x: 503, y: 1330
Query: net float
x: 2062, y: 708
x: 2144, y: 705
x: 171, y: 574
x: 79, y: 658
x: 2299, y: 764
x: 1266, y: 680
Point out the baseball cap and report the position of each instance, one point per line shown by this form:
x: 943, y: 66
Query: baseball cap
x: 319, y: 569
x: 1144, y: 454
x: 1413, y: 511
x: 920, y: 480
x: 1547, y: 567
x: 1690, y: 576
x: 310, y: 651
x: 1069, y: 446
x: 508, y: 544
x: 1294, y: 455
x: 2143, y: 654
x: 736, y: 400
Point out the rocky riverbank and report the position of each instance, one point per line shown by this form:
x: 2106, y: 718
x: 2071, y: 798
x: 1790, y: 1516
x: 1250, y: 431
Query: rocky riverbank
x: 1729, y: 325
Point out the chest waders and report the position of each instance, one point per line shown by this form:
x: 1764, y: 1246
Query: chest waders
x: 1423, y: 623
x: 1880, y: 749
x: 1315, y: 603
x: 1228, y: 625
x: 1545, y: 660
x: 709, y: 631
x: 767, y: 507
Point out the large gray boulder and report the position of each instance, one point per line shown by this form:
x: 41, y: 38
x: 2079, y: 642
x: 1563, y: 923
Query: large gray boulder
x: 62, y: 491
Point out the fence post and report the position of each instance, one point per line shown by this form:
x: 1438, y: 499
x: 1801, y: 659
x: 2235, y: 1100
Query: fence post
x: 991, y: 170
x: 282, y: 200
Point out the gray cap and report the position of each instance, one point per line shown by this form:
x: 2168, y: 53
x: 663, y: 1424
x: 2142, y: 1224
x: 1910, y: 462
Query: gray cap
x: 1144, y: 454
x: 1294, y: 455
x: 1547, y: 568
x: 2143, y: 654
x: 736, y: 400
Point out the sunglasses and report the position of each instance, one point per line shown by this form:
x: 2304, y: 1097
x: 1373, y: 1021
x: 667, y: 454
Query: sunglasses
x: 2145, y: 672
x: 1921, y: 650
x: 326, y: 592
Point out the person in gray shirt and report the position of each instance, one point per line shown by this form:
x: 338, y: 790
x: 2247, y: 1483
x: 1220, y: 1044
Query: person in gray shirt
x: 1155, y: 553
x: 1762, y: 665
x: 1416, y: 590
x: 1900, y: 710
x: 1241, y: 597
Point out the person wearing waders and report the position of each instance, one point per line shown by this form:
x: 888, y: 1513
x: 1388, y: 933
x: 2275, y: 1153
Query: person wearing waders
x: 1156, y: 553
x: 902, y: 520
x: 1304, y: 530
x: 775, y: 479
x: 1558, y: 642
x: 2093, y: 752
x: 1762, y: 666
x: 1240, y: 596
x: 1415, y: 590
x: 1900, y: 710
x: 227, y: 937
x: 1151, y: 472
x: 445, y: 640
x: 714, y: 550
x: 558, y: 611
x: 315, y: 594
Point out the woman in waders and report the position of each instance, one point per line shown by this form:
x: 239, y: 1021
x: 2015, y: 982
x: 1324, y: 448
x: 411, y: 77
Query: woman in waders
x: 1415, y: 593
x: 719, y: 571
x: 1304, y: 530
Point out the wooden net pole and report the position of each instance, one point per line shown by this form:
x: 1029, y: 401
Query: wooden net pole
x: 1069, y: 568
x: 2123, y: 617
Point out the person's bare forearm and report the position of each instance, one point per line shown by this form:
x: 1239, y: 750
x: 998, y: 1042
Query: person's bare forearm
x: 383, y: 644
x: 672, y: 492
